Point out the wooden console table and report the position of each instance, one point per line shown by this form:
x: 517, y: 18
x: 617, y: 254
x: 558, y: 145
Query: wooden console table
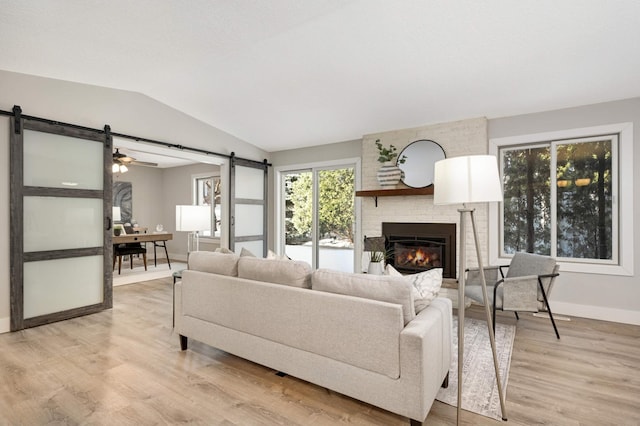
x: 143, y: 238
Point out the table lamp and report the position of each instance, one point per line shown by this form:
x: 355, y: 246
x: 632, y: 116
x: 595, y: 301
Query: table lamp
x: 193, y: 219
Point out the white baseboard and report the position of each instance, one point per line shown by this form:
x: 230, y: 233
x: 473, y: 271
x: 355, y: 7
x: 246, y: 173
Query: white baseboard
x: 177, y: 257
x: 5, y: 325
x: 596, y: 312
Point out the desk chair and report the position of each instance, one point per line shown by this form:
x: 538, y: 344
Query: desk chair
x: 129, y: 249
x: 162, y: 244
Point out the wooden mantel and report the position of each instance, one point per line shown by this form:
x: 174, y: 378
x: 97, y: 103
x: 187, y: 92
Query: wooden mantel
x: 375, y: 193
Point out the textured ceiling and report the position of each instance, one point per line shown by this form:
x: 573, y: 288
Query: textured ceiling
x: 290, y: 73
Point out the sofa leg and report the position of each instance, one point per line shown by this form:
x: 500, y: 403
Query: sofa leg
x: 183, y: 343
x: 445, y: 382
x: 415, y: 422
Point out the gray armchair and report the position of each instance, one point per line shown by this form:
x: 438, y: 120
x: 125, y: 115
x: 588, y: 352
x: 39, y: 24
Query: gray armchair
x: 526, y: 286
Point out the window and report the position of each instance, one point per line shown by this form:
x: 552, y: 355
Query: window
x: 207, y: 193
x: 563, y: 198
x: 568, y: 213
x: 317, y: 215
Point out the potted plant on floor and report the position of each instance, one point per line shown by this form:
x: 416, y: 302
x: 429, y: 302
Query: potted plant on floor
x: 389, y: 174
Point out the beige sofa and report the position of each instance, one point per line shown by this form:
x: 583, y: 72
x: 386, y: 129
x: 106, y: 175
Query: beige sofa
x: 280, y: 314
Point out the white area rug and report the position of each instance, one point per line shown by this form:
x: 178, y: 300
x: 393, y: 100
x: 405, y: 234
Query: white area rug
x: 138, y: 274
x: 479, y: 388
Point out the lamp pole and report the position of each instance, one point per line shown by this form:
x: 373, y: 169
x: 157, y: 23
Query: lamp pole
x: 463, y: 180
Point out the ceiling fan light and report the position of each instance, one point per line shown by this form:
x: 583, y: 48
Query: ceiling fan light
x: 123, y: 168
x: 115, y: 168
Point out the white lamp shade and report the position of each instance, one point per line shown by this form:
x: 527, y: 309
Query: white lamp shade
x: 193, y: 218
x: 117, y: 215
x: 469, y: 179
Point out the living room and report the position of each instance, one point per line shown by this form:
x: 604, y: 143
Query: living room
x: 577, y: 294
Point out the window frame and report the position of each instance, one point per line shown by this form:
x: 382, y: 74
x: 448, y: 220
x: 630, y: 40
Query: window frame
x: 194, y: 201
x: 313, y: 168
x: 622, y: 188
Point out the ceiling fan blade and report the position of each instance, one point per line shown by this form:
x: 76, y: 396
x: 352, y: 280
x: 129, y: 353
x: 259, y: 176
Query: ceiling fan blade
x: 124, y: 158
x: 143, y: 163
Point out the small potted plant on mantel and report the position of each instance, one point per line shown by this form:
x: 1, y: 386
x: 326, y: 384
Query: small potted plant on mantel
x: 389, y: 174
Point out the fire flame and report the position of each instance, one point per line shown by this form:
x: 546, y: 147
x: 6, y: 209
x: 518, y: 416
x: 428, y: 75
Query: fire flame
x: 417, y: 257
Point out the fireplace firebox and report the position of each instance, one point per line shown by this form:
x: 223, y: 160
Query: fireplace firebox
x: 417, y: 247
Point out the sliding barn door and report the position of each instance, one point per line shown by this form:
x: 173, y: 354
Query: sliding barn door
x: 60, y: 222
x: 248, y: 207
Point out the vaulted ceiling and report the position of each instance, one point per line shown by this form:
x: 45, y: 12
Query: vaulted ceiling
x: 291, y: 73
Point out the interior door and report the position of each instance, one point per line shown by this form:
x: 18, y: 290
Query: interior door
x: 248, y: 207
x: 61, y: 249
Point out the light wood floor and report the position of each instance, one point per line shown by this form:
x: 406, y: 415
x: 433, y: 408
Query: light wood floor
x: 124, y: 366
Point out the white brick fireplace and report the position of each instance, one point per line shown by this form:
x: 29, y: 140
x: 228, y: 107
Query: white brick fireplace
x: 467, y: 137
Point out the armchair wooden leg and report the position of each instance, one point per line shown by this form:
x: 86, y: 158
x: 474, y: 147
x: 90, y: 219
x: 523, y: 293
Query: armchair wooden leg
x: 183, y: 343
x: 546, y: 303
x: 517, y: 317
x: 131, y: 261
x: 494, y: 316
x: 445, y: 382
x: 144, y: 258
x: 415, y: 422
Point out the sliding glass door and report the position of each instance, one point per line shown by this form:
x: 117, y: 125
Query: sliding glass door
x: 61, y: 221
x: 248, y: 207
x: 318, y: 216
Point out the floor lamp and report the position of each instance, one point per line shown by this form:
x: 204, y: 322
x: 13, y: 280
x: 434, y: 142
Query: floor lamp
x: 463, y: 180
x: 193, y: 219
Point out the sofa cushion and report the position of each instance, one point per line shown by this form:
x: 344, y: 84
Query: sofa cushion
x: 214, y: 263
x: 377, y: 287
x: 426, y: 285
x: 288, y: 272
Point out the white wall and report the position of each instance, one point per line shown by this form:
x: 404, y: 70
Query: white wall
x: 93, y: 106
x: 607, y: 297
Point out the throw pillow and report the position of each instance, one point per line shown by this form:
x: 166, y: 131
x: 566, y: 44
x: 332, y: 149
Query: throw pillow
x: 223, y: 250
x: 246, y: 253
x: 377, y: 287
x: 272, y: 255
x: 425, y: 285
x: 214, y: 263
x: 287, y: 272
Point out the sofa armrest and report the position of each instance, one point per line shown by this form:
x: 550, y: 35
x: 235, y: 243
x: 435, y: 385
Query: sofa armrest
x: 425, y: 352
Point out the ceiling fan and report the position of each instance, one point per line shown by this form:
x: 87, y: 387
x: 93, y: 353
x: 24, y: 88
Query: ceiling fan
x: 121, y: 159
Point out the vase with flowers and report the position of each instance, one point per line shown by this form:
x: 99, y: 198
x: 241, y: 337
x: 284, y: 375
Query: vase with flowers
x: 389, y: 174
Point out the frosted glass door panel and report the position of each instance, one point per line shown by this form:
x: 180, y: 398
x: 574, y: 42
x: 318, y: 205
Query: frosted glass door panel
x: 255, y: 247
x: 58, y: 161
x: 248, y: 220
x: 58, y: 285
x: 249, y: 183
x: 52, y: 223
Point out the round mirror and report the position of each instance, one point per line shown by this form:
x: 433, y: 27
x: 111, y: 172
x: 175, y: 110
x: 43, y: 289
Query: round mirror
x: 419, y: 160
